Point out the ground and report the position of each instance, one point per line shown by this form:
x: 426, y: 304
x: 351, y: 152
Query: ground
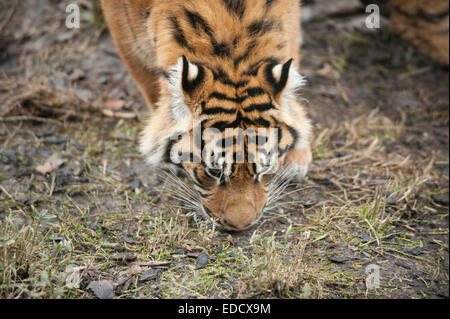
x: 96, y: 222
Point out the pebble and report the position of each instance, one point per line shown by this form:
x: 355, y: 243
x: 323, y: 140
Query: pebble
x: 337, y: 259
x: 202, y: 261
x: 441, y: 199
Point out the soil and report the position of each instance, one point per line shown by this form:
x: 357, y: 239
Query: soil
x: 381, y: 114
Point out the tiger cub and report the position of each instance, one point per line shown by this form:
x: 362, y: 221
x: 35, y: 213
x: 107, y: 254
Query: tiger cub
x: 229, y: 68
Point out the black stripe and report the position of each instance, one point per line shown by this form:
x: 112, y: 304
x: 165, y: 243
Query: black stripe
x: 221, y: 125
x: 203, y: 195
x: 236, y: 7
x: 169, y: 146
x: 221, y: 49
x: 237, y: 122
x: 252, y: 165
x: 260, y: 28
x: 207, y: 210
x: 259, y: 107
x: 178, y: 34
x: 221, y: 96
x: 289, y: 147
x: 269, y: 2
x: 256, y: 91
x: 257, y: 122
x: 197, y: 22
x: 196, y: 178
x: 218, y: 110
x: 222, y: 77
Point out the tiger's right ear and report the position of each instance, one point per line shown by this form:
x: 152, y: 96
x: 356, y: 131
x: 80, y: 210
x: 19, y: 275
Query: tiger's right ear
x: 283, y: 78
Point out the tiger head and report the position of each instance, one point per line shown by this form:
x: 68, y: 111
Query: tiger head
x: 231, y: 134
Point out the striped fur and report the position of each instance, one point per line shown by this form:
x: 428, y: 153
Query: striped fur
x: 222, y: 64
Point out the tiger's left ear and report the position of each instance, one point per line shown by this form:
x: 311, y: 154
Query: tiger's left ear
x: 283, y: 78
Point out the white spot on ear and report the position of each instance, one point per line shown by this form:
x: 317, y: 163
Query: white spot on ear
x: 276, y: 71
x: 178, y: 103
x: 193, y: 72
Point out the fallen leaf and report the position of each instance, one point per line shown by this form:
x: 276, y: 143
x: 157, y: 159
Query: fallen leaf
x: 133, y: 270
x: 53, y: 163
x: 73, y: 278
x: 123, y: 283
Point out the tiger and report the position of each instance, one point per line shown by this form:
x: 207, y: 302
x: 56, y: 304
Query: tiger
x: 219, y: 65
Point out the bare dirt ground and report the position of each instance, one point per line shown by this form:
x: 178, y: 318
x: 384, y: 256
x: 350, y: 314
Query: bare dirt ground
x: 101, y: 224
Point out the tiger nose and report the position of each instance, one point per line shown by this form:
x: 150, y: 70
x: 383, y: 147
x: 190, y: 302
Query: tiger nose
x: 238, y: 218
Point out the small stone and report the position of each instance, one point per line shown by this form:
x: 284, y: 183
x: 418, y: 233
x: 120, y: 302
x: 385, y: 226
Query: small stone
x: 202, y: 261
x: 103, y: 289
x: 441, y: 199
x: 365, y: 236
x: 129, y: 240
x: 417, y: 251
x: 179, y: 251
x: 337, y: 259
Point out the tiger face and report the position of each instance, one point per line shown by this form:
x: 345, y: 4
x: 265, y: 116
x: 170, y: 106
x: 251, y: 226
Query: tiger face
x: 238, y: 137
